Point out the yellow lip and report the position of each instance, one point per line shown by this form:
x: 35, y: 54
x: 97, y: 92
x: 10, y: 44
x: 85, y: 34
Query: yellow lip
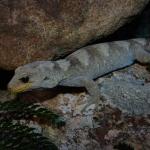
x: 21, y: 88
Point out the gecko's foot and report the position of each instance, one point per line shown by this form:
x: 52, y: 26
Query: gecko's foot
x: 88, y: 108
x: 91, y: 105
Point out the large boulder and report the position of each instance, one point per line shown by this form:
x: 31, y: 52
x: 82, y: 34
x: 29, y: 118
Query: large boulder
x: 44, y: 29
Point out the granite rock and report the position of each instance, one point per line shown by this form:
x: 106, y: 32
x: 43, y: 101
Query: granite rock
x: 33, y: 30
x: 123, y: 120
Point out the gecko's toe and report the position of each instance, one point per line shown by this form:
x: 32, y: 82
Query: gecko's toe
x: 89, y: 108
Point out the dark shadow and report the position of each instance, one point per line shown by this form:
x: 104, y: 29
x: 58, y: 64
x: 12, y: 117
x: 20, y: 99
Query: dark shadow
x: 39, y: 95
x: 5, y: 77
x: 123, y: 146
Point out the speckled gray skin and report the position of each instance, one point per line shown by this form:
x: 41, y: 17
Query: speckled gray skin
x: 81, y: 67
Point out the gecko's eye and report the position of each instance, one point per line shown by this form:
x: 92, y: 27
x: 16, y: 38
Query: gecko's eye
x: 24, y: 79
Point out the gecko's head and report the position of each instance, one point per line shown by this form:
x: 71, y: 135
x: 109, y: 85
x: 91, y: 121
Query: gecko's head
x: 32, y: 76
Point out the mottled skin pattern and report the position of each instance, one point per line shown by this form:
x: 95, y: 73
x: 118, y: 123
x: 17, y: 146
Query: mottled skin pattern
x: 81, y: 67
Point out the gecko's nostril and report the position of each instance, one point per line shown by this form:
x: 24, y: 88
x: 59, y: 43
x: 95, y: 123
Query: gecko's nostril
x: 24, y: 79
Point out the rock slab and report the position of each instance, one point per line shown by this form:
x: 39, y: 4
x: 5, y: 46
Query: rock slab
x: 33, y: 30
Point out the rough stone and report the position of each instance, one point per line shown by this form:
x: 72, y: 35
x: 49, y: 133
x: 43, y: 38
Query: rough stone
x: 39, y: 30
x: 122, y: 119
x: 115, y: 125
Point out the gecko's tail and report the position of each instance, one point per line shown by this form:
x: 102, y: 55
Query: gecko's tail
x: 144, y: 42
x: 147, y: 47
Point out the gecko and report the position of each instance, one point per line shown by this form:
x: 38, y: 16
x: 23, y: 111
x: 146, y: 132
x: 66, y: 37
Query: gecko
x: 81, y: 68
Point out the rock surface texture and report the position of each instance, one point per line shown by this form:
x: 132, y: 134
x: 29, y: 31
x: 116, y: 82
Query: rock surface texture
x: 39, y: 30
x: 122, y: 120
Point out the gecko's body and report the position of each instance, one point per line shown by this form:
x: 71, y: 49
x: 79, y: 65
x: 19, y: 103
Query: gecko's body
x: 81, y: 67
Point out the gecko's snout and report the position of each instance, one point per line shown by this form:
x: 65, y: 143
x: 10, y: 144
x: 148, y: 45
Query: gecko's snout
x: 9, y: 86
x: 19, y: 86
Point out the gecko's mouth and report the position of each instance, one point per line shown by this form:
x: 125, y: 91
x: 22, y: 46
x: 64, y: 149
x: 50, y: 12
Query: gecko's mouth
x: 21, y: 88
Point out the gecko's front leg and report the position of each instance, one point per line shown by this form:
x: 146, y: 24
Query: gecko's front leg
x: 91, y: 87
